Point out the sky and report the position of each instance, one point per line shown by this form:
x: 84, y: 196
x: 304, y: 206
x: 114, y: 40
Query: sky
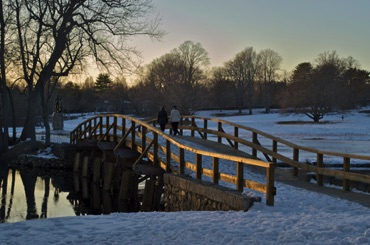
x: 298, y: 30
x: 298, y: 216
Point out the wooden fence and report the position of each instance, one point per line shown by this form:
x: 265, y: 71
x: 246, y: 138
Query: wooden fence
x: 271, y: 153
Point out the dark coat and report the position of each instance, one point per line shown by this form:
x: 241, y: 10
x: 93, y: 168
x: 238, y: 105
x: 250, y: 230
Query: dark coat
x: 162, y: 117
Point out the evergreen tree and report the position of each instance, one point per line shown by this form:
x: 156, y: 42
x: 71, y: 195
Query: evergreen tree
x: 103, y: 82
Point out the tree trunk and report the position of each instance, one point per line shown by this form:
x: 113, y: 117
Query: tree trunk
x: 29, y: 131
x: 250, y: 97
x: 13, y: 125
x: 4, y: 134
x: 45, y: 116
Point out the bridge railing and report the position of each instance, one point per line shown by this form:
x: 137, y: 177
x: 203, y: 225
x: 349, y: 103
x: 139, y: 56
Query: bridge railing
x: 167, y: 152
x: 237, y: 135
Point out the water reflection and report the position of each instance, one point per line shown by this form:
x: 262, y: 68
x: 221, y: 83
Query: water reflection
x: 25, y: 194
x: 28, y: 193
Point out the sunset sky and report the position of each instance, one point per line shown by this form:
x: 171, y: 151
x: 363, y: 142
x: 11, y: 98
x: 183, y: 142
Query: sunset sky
x: 298, y: 30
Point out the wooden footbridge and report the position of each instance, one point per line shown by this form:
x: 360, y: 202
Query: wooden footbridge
x: 209, y: 149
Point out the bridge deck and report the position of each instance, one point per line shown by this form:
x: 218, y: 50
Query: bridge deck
x: 212, y: 146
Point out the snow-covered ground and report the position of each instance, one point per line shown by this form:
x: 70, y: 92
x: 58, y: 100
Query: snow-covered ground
x: 298, y: 217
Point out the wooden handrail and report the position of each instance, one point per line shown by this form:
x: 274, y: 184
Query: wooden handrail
x: 199, y: 170
x: 294, y: 161
x: 143, y: 130
x: 320, y: 170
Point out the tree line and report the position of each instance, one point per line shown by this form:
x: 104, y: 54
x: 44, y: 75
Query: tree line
x: 250, y: 80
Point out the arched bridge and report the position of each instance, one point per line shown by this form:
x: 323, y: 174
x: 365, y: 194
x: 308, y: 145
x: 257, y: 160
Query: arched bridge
x: 211, y: 149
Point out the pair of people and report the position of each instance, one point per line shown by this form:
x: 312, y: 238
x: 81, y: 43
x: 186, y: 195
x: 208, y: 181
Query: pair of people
x: 174, y: 119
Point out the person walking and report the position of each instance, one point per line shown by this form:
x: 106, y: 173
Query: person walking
x: 175, y: 119
x: 162, y: 118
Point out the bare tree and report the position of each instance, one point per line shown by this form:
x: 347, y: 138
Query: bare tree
x: 55, y: 37
x: 194, y: 59
x: 270, y: 62
x: 175, y: 78
x: 242, y: 70
x: 4, y: 134
x: 165, y: 76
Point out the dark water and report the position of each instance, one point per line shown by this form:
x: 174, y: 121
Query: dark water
x: 35, y: 194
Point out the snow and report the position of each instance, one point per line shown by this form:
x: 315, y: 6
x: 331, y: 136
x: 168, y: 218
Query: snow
x: 298, y: 216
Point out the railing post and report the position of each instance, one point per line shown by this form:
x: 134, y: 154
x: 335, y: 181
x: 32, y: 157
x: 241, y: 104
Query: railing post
x: 168, y: 156
x: 274, y: 149
x: 198, y: 166
x: 143, y: 138
x: 78, y: 133
x: 215, y: 167
x: 115, y: 129
x: 180, y: 127
x: 182, y: 160
x: 100, y: 126
x: 236, y: 134
x: 255, y: 141
x: 95, y: 125
x: 346, y: 168
x: 239, y: 176
x: 192, y: 126
x: 270, y: 182
x: 296, y: 159
x: 90, y: 127
x: 83, y: 130
x: 107, y: 127
x: 219, y: 129
x: 320, y: 164
x: 205, y: 125
x: 123, y: 126
x: 155, y: 149
x: 133, y: 134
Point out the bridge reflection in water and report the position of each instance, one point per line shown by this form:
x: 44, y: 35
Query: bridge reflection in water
x: 30, y: 194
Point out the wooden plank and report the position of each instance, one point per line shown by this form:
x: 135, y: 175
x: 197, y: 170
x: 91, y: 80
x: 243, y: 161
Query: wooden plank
x: 85, y: 188
x: 346, y: 168
x: 148, y: 198
x: 270, y: 180
x: 215, y: 167
x: 239, y: 176
x: 85, y: 166
x: 96, y: 170
x: 76, y: 166
x: 320, y: 164
x: 96, y: 197
x: 107, y: 202
x: 76, y: 182
x: 198, y: 164
x: 124, y: 193
x: 108, y: 175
